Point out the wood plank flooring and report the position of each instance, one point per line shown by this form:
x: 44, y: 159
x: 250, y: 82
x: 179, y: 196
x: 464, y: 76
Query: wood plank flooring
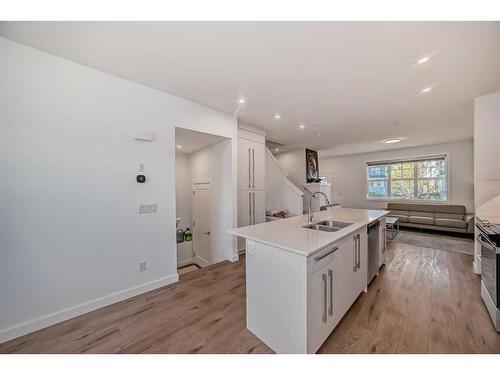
x: 424, y: 301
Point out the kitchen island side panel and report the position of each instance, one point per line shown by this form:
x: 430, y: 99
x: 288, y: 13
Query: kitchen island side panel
x: 276, y: 289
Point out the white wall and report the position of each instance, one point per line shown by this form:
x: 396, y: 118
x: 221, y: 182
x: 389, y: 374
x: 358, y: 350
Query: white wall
x: 280, y: 192
x: 214, y: 163
x: 349, y: 173
x: 294, y: 164
x: 70, y: 235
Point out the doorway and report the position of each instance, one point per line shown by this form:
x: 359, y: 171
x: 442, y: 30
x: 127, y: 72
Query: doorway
x: 204, y: 210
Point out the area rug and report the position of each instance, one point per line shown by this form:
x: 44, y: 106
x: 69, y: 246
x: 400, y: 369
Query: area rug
x: 436, y: 240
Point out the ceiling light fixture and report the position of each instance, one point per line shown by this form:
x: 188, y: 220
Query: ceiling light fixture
x: 241, y: 101
x: 319, y: 134
x: 277, y: 116
x: 392, y: 140
x: 179, y: 146
x: 423, y: 60
x: 302, y: 126
x: 426, y: 90
x: 276, y: 149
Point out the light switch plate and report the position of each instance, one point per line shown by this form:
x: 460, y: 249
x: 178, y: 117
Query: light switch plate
x: 148, y: 208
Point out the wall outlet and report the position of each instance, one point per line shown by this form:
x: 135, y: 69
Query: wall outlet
x: 142, y: 266
x: 250, y: 247
x: 148, y: 208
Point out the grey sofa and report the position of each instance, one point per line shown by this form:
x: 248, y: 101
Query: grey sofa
x: 446, y: 217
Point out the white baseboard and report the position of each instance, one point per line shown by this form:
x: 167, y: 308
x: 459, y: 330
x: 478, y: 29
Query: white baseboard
x: 60, y: 316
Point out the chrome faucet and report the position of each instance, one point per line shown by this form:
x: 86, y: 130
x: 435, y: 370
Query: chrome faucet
x: 310, y: 216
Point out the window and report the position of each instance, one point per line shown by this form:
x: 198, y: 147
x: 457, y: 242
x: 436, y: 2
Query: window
x: 420, y: 179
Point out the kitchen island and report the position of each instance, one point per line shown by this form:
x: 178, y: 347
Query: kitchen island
x: 302, y: 278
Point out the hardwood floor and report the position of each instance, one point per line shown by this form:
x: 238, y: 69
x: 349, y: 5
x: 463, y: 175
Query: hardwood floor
x: 424, y: 301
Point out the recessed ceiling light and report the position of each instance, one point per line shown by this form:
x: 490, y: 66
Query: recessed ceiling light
x: 241, y: 101
x: 277, y: 116
x: 319, y: 134
x: 276, y: 149
x: 427, y: 89
x: 393, y: 140
x: 179, y: 146
x: 423, y: 60
x: 302, y: 126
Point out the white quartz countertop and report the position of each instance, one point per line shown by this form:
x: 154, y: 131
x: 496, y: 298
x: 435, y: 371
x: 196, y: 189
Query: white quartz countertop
x: 289, y: 234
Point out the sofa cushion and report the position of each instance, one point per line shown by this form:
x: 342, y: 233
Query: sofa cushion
x: 452, y: 223
x: 440, y: 215
x: 422, y: 214
x: 421, y: 220
x: 401, y: 218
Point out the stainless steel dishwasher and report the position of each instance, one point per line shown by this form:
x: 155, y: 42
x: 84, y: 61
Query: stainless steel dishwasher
x: 373, y: 249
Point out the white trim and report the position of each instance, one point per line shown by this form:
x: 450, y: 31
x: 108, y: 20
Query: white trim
x: 62, y: 315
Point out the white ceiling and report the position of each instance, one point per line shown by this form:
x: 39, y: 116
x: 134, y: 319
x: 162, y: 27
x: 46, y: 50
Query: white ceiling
x: 191, y: 141
x: 356, y: 83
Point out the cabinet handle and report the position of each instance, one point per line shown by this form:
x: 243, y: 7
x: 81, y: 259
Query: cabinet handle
x: 253, y: 206
x: 330, y: 275
x: 253, y: 167
x: 359, y: 250
x: 249, y: 169
x: 249, y: 208
x: 317, y: 259
x: 323, y: 276
x: 355, y: 249
x: 383, y: 248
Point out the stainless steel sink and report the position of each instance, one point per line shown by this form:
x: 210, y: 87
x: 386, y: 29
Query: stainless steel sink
x: 334, y: 224
x: 328, y: 226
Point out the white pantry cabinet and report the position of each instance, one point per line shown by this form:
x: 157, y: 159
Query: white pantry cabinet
x: 251, y: 207
x: 251, y: 163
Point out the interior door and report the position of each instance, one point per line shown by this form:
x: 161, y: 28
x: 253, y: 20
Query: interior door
x: 202, y: 227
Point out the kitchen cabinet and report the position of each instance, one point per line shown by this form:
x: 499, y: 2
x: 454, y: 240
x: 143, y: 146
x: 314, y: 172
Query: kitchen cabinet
x: 251, y: 164
x: 350, y: 272
x: 320, y: 306
x: 334, y: 287
x: 251, y: 207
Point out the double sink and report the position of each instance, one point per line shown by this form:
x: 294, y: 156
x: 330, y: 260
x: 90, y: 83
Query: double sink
x: 328, y: 225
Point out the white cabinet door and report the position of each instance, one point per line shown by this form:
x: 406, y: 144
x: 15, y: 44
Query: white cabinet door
x: 258, y: 166
x: 259, y: 207
x: 245, y: 204
x: 320, y: 300
x: 346, y: 285
x: 244, y: 164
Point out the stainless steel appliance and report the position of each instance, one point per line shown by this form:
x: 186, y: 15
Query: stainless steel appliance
x: 373, y: 229
x: 488, y: 237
